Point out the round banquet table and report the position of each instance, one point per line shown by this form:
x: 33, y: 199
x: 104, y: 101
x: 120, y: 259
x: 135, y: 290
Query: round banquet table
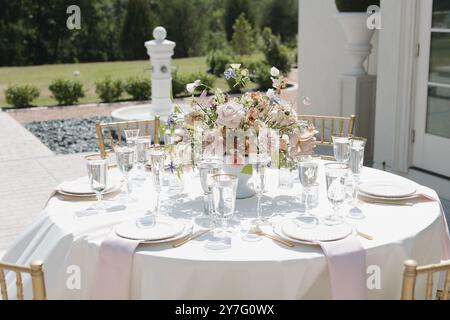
x: 68, y: 244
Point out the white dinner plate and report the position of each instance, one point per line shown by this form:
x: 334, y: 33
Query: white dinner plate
x: 83, y: 186
x: 321, y: 233
x: 90, y: 195
x: 187, y: 231
x: 164, y: 228
x: 372, y: 197
x: 387, y: 189
x: 278, y: 231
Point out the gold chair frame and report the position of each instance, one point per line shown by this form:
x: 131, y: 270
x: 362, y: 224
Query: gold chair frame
x: 119, y: 126
x: 335, y: 123
x: 37, y: 279
x: 412, y: 270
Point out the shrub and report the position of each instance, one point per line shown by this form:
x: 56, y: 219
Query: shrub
x: 218, y: 61
x: 21, y: 95
x: 139, y: 88
x: 260, y: 74
x: 242, y: 40
x: 178, y: 84
x: 355, y: 5
x: 109, y: 90
x: 66, y: 92
x: 277, y: 54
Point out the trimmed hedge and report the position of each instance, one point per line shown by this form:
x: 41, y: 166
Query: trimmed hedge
x: 109, y: 90
x: 21, y: 96
x: 139, y: 88
x: 66, y: 92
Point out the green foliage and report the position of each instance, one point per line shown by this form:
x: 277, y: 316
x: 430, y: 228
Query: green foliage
x: 233, y: 9
x: 277, y: 54
x: 139, y: 88
x: 21, y: 95
x: 66, y: 92
x: 355, y: 5
x: 109, y: 90
x: 282, y: 18
x: 218, y: 61
x: 242, y: 40
x: 178, y: 84
x: 137, y: 28
x: 207, y: 80
x: 261, y: 75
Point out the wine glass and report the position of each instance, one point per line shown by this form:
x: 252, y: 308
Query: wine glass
x: 97, y: 168
x: 142, y: 145
x: 307, y: 172
x: 207, y: 169
x: 224, y: 200
x: 341, y: 147
x: 335, y: 174
x: 125, y: 156
x: 356, y: 162
x: 131, y: 136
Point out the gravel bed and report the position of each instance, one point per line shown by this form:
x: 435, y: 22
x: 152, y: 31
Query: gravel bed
x: 68, y: 136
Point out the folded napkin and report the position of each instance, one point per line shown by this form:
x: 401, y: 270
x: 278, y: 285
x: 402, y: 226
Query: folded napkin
x: 347, y: 268
x: 112, y: 277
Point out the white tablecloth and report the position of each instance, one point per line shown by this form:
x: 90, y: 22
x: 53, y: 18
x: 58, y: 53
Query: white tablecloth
x: 69, y: 245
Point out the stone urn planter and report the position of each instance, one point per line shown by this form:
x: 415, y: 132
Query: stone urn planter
x: 353, y: 18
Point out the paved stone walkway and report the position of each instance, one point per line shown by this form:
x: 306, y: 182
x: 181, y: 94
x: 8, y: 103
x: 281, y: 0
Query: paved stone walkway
x: 29, y: 172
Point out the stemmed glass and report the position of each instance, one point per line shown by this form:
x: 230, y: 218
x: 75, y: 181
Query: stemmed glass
x: 125, y: 156
x: 356, y: 162
x: 335, y: 177
x: 341, y: 147
x: 224, y: 201
x: 259, y: 183
x: 142, y: 145
x: 207, y: 169
x: 98, y: 177
x: 157, y: 156
x: 131, y: 136
x: 307, y: 171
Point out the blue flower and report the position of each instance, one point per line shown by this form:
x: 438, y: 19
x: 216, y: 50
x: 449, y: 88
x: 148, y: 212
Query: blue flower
x: 171, y: 120
x: 230, y: 74
x: 172, y: 167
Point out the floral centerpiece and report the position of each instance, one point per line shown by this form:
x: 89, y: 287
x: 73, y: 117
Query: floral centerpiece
x: 249, y: 112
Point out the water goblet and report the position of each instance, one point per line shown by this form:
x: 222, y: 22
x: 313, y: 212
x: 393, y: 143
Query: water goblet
x: 356, y: 162
x: 335, y: 174
x: 131, y: 136
x: 207, y: 169
x: 97, y: 168
x: 307, y: 171
x: 224, y: 200
x: 341, y: 147
x: 125, y: 161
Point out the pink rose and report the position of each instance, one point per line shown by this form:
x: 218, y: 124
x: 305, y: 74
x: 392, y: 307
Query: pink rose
x: 301, y: 144
x: 230, y: 114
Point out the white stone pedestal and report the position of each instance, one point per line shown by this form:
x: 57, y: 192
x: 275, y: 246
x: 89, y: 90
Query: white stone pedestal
x: 358, y: 97
x: 160, y: 51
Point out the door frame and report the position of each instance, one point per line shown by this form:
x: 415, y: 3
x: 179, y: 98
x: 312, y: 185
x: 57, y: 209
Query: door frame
x: 421, y: 137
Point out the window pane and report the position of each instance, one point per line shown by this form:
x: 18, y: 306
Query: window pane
x: 438, y: 114
x: 440, y: 58
x: 441, y: 14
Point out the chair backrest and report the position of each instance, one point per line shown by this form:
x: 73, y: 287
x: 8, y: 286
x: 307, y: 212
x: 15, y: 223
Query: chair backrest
x: 412, y: 270
x: 329, y: 125
x: 112, y: 131
x: 37, y: 279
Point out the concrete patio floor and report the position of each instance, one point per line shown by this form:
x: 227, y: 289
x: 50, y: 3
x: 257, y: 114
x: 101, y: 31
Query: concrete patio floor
x: 29, y: 171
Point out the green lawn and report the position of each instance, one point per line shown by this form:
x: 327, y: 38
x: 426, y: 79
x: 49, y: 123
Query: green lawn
x: 41, y: 76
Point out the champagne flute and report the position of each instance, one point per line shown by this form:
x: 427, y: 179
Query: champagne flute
x: 207, y: 169
x: 157, y: 156
x: 125, y: 161
x: 335, y: 174
x: 142, y: 145
x: 98, y: 177
x: 308, y: 171
x: 224, y: 201
x: 356, y: 162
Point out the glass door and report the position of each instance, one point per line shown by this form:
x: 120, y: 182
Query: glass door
x: 432, y: 118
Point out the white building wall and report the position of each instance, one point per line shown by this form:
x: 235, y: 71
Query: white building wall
x: 322, y: 58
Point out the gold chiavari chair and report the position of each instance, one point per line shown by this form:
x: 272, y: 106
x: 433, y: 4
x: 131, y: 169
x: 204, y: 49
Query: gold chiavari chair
x: 37, y: 279
x: 412, y: 270
x: 329, y: 125
x: 113, y: 131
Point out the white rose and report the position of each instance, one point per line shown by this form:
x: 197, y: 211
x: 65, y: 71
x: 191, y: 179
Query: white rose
x: 235, y: 66
x: 270, y: 93
x: 274, y: 72
x: 190, y: 87
x: 230, y: 114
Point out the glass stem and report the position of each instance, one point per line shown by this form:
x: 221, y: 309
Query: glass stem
x: 210, y: 205
x: 355, y: 192
x: 158, y: 201
x: 258, y: 208
x: 306, y: 201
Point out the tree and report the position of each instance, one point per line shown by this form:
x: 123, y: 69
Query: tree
x: 277, y: 54
x: 242, y: 40
x: 233, y: 9
x: 137, y: 28
x: 282, y: 18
